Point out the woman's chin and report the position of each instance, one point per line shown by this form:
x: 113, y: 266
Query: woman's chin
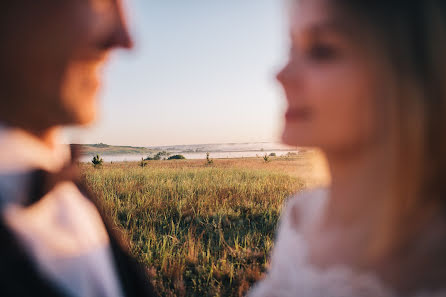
x: 290, y: 139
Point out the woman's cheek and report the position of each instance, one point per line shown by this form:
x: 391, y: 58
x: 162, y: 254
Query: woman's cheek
x: 338, y: 112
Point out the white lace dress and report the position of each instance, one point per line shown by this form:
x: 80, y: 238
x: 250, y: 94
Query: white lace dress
x: 291, y: 274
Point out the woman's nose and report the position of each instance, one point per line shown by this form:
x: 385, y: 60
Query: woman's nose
x: 280, y: 75
x: 283, y: 75
x: 291, y: 73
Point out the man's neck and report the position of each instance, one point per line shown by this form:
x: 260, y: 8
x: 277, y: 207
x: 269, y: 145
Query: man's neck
x: 48, y: 137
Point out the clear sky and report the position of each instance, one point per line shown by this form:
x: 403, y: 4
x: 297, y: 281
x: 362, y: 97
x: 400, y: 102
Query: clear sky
x: 202, y: 71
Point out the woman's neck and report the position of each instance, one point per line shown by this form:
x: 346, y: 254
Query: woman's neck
x: 361, y: 184
x: 359, y: 190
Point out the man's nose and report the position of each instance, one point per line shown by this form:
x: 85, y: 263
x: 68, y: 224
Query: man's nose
x: 120, y: 35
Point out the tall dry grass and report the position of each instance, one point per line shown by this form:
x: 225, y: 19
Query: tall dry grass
x: 200, y: 230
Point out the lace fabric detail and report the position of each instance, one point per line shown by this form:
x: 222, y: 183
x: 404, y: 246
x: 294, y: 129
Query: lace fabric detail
x: 291, y: 274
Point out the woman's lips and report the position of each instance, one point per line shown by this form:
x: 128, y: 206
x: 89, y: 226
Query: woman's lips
x: 298, y: 114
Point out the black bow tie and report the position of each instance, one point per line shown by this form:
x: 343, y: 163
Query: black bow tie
x: 42, y: 182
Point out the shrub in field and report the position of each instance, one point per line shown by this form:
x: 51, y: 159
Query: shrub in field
x: 291, y: 154
x: 143, y: 163
x: 177, y: 157
x: 266, y: 158
x: 209, y: 161
x: 97, y: 161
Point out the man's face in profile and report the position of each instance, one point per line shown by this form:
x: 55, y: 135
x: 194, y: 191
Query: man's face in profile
x: 51, y: 56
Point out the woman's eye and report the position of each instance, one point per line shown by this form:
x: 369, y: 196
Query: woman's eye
x: 322, y: 52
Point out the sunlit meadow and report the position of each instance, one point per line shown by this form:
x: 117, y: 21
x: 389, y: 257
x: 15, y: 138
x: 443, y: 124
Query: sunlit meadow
x: 200, y: 229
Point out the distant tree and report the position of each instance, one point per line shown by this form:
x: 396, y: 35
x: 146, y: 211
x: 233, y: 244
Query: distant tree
x: 159, y: 156
x: 273, y: 155
x: 97, y: 161
x: 177, y: 157
x: 100, y: 145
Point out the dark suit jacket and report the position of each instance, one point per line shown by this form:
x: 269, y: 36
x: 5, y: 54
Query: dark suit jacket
x: 19, y: 276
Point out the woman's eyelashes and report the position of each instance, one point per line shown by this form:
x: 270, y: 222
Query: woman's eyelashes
x: 317, y: 52
x: 321, y: 52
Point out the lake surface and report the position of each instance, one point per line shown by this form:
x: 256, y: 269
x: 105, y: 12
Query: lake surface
x: 198, y: 151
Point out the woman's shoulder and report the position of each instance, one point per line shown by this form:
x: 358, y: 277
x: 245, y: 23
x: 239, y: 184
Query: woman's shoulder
x: 290, y: 249
x: 291, y: 273
x: 304, y: 208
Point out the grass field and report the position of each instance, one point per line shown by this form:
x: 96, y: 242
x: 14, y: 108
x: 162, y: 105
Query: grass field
x: 201, y: 230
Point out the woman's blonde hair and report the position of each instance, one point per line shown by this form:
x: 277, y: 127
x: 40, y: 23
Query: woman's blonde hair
x: 411, y: 38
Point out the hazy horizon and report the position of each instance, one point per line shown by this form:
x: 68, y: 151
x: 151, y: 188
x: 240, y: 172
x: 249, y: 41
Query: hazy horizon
x: 196, y: 151
x: 190, y: 144
x: 202, y: 71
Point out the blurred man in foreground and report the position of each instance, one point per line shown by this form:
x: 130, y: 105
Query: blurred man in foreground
x: 54, y: 241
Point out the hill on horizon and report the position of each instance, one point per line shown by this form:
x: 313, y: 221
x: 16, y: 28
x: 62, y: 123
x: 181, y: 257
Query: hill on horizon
x: 105, y: 149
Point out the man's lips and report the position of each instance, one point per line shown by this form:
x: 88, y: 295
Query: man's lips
x: 298, y: 113
x: 91, y: 73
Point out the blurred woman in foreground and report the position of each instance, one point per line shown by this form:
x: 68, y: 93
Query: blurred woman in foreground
x: 366, y: 83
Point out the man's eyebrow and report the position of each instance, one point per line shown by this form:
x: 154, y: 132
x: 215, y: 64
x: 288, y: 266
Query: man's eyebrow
x: 330, y: 27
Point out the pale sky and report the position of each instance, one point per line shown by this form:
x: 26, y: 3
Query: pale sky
x: 202, y: 71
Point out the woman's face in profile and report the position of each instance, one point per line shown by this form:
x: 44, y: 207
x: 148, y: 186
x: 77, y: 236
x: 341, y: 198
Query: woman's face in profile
x: 329, y: 82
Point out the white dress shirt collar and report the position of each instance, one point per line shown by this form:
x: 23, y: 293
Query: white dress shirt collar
x: 63, y: 233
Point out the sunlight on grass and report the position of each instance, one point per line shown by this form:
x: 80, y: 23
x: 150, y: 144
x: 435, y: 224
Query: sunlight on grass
x: 200, y: 230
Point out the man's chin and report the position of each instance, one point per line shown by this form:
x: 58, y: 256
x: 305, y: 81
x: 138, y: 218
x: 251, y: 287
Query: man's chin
x: 81, y: 110
x: 83, y: 119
